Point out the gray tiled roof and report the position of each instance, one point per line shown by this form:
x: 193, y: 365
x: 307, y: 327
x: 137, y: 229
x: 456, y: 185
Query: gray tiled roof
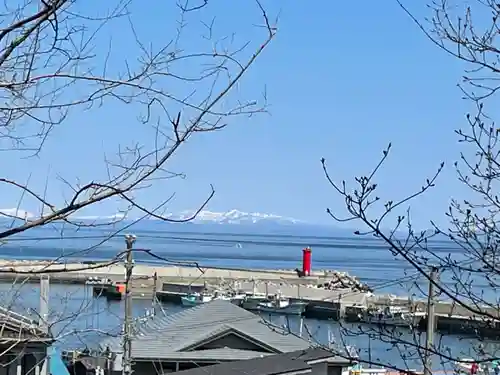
x: 221, y: 354
x: 297, y: 362
x: 316, y: 354
x: 162, y: 337
x: 270, y: 365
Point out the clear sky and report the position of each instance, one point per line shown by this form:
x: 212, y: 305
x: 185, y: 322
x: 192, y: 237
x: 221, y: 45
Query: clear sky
x: 342, y: 79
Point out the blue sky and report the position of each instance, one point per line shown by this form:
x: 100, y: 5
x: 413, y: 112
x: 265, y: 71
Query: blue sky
x: 342, y: 81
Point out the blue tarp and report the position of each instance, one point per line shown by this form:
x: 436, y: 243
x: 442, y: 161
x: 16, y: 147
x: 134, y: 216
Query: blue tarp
x: 56, y: 364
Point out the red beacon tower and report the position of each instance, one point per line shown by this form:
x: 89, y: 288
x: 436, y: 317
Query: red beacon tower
x: 306, y: 261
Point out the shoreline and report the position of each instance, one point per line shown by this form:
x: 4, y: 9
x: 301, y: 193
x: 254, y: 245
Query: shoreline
x: 287, y: 281
x: 141, y: 270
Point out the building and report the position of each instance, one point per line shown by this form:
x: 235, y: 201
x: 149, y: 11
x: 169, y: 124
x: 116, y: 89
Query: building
x: 24, y: 345
x: 212, y: 333
x: 312, y: 361
x: 87, y: 364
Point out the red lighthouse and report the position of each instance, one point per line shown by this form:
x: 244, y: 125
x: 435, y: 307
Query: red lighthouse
x: 306, y: 261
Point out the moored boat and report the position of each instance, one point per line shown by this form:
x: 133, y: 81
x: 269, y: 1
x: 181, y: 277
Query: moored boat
x: 392, y: 316
x: 252, y: 302
x: 237, y: 298
x: 282, y: 306
x: 194, y: 299
x: 100, y: 286
x: 273, y: 304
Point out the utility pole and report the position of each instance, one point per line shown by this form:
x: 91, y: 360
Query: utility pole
x: 44, y: 302
x: 153, y: 302
x: 127, y: 327
x: 431, y: 322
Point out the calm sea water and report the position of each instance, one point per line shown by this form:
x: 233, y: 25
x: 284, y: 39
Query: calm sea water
x: 257, y: 247
x: 80, y: 319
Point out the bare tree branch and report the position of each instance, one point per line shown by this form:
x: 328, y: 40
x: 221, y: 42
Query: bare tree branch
x: 43, y: 66
x: 469, y: 265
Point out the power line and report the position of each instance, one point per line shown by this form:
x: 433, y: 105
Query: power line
x: 413, y: 277
x: 382, y: 285
x: 175, y: 238
x: 58, y: 238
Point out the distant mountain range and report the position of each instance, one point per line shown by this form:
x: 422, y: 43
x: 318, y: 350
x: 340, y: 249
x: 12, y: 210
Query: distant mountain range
x: 236, y: 217
x: 203, y: 217
x: 233, y: 221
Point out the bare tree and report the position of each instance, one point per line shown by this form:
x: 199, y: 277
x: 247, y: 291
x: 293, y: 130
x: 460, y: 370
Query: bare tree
x: 469, y: 274
x: 49, y: 73
x: 54, y: 68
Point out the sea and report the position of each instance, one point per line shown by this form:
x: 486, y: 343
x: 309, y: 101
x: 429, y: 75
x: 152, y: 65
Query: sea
x: 80, y: 320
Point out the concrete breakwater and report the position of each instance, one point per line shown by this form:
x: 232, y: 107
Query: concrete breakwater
x: 327, y: 297
x: 80, y: 272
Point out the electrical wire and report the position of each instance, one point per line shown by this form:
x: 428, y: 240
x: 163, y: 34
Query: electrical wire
x: 53, y: 238
x: 383, y: 285
x: 156, y: 236
x: 176, y: 238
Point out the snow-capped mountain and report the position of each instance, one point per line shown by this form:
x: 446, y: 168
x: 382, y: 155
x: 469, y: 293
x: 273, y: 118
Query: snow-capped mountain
x: 235, y: 217
x: 16, y: 212
x: 203, y: 217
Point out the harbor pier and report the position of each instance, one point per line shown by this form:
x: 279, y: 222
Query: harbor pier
x: 345, y: 304
x: 329, y: 294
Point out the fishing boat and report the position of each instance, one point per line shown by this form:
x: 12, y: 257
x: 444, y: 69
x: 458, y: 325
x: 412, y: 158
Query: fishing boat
x: 223, y: 295
x: 98, y: 281
x: 195, y: 299
x: 100, y: 286
x: 237, y: 298
x: 252, y: 302
x: 392, y: 316
x: 283, y: 306
x: 115, y: 292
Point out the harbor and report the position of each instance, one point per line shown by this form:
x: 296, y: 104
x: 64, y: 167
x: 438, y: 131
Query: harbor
x: 78, y: 317
x: 265, y: 234
x: 323, y: 295
x: 319, y: 306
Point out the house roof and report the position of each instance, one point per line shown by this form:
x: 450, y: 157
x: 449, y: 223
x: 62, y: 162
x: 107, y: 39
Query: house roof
x: 298, y: 362
x: 270, y: 365
x: 317, y: 354
x: 220, y: 354
x: 14, y: 326
x: 91, y: 363
x: 166, y: 337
